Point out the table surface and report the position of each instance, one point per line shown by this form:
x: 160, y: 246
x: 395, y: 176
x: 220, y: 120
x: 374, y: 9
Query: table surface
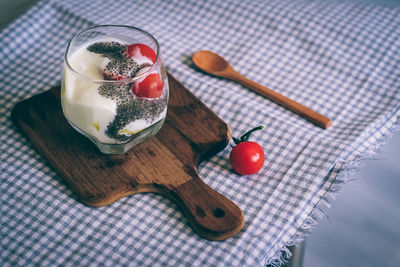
x: 12, y: 9
x: 362, y: 227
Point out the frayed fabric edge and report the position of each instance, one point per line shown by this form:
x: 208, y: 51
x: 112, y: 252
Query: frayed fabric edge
x: 343, y: 176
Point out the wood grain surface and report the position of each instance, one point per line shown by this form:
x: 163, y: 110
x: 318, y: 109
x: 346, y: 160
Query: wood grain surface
x: 166, y: 163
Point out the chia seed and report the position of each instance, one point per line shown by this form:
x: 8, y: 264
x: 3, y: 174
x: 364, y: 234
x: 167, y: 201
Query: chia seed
x: 121, y: 66
x: 107, y: 49
x: 144, y: 109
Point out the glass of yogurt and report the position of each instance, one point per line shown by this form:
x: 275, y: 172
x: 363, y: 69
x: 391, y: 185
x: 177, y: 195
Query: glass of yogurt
x: 114, y: 88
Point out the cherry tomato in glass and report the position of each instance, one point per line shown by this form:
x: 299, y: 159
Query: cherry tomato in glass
x: 150, y: 87
x: 247, y: 157
x: 137, y: 51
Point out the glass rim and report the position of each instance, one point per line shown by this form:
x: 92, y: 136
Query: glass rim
x: 125, y: 80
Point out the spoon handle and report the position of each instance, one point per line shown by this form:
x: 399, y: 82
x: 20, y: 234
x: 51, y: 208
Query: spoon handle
x: 285, y: 102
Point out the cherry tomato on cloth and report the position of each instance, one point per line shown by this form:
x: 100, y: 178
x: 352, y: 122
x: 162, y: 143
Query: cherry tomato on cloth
x: 247, y: 157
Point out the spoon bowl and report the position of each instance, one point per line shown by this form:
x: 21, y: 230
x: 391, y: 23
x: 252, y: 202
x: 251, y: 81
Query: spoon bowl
x: 214, y: 64
x: 210, y: 62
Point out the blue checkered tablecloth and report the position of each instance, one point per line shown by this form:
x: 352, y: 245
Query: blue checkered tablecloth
x: 340, y: 59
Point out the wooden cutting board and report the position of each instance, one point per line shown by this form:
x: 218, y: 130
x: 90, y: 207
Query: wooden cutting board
x: 165, y: 164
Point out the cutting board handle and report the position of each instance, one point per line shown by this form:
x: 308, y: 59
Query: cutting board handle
x: 212, y: 215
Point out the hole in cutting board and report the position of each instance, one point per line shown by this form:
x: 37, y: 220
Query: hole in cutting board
x: 219, y: 213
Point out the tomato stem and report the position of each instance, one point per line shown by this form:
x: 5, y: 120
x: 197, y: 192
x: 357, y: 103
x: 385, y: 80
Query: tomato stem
x: 246, y: 136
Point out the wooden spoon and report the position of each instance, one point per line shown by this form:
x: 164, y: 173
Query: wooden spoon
x: 214, y: 64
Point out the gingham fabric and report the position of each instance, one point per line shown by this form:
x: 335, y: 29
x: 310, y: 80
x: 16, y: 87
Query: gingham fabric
x: 340, y: 59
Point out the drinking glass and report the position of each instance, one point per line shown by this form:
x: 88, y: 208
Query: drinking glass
x: 106, y: 110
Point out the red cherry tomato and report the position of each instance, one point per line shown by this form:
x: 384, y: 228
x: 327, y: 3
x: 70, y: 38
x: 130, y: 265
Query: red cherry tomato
x: 141, y: 50
x: 247, y: 158
x: 150, y: 87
